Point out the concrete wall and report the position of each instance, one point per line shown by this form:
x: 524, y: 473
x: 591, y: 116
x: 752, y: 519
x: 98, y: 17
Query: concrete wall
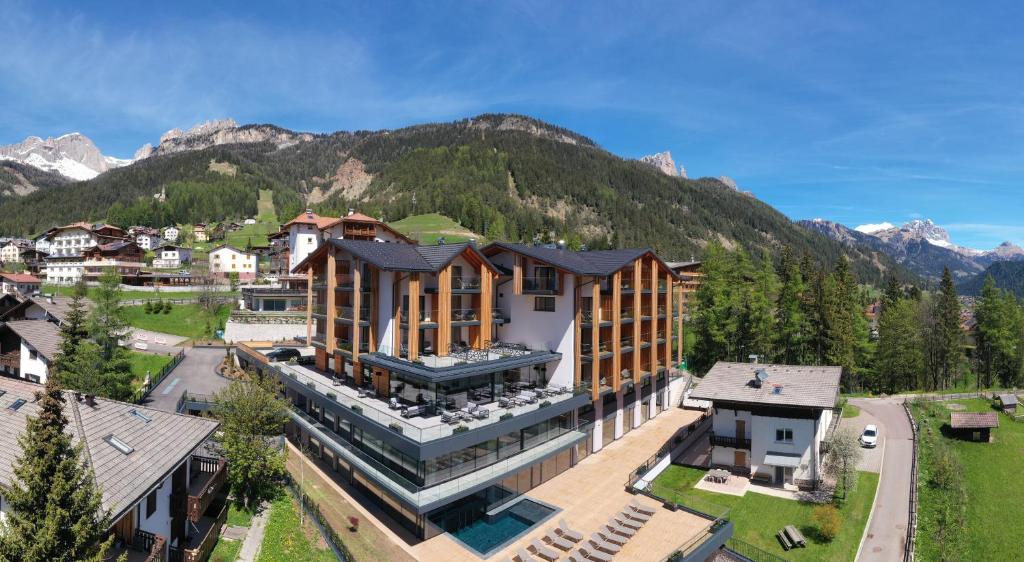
x: 160, y: 522
x: 38, y: 366
x: 763, y: 440
x: 303, y: 239
x: 543, y: 330
x: 246, y: 331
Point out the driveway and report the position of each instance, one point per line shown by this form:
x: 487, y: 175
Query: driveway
x: 195, y: 374
x: 887, y: 532
x: 871, y: 461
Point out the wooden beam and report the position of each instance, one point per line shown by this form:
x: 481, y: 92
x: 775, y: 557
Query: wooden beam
x: 396, y: 326
x: 577, y: 297
x: 654, y: 316
x: 332, y: 312
x: 374, y: 282
x: 616, y: 281
x: 486, y: 305
x: 357, y: 301
x: 444, y: 310
x: 595, y: 342
x: 517, y: 274
x: 638, y: 265
x: 668, y: 319
x: 679, y: 325
x: 414, y: 316
x: 309, y: 305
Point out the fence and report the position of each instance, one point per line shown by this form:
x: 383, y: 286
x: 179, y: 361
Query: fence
x: 193, y: 300
x: 143, y: 392
x: 316, y: 515
x: 751, y: 552
x: 908, y: 550
x: 666, y: 449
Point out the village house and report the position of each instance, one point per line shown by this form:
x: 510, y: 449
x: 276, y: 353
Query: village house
x: 65, y: 263
x: 124, y: 257
x: 28, y: 348
x: 171, y: 233
x: 199, y: 233
x: 19, y: 284
x: 225, y: 259
x: 769, y: 421
x: 171, y: 256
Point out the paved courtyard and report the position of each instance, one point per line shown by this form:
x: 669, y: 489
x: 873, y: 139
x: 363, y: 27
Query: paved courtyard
x: 594, y: 490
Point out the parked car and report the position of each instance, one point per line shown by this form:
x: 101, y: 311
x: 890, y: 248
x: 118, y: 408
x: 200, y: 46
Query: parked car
x: 870, y: 437
x: 284, y: 354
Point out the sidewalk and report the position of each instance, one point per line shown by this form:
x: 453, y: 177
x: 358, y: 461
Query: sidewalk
x: 254, y: 538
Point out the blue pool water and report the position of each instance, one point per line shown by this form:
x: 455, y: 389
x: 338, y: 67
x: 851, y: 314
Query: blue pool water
x: 490, y: 532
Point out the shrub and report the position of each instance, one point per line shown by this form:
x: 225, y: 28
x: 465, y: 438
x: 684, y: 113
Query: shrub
x: 332, y: 396
x: 167, y: 307
x: 311, y: 384
x: 506, y: 416
x: 395, y: 426
x: 829, y: 521
x: 461, y: 429
x: 148, y: 309
x: 545, y: 403
x: 357, y: 408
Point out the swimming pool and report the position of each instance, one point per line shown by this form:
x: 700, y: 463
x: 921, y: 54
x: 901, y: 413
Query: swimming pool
x: 494, y: 531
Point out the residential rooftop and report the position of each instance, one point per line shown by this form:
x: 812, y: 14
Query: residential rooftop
x: 973, y: 420
x: 590, y: 262
x: 41, y: 335
x: 783, y: 385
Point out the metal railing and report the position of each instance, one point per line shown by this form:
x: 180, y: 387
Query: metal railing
x: 142, y: 393
x: 466, y: 282
x: 908, y: 550
x: 331, y: 537
x: 751, y: 552
x: 348, y: 313
x: 465, y: 314
x: 603, y: 346
x: 726, y: 441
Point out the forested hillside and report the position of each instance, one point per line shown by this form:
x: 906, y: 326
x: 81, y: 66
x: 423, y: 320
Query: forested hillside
x: 1006, y: 275
x: 505, y: 177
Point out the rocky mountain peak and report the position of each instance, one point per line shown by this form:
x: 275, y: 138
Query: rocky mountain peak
x: 73, y: 155
x: 664, y: 163
x: 218, y: 132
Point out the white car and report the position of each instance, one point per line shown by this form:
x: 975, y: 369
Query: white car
x: 870, y: 437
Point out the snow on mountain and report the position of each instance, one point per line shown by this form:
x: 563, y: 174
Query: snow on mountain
x: 873, y: 228
x: 72, y: 155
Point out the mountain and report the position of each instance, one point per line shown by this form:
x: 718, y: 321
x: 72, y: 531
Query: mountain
x: 664, y: 163
x: 506, y: 177
x: 73, y: 156
x: 21, y: 179
x: 1008, y: 275
x: 920, y: 245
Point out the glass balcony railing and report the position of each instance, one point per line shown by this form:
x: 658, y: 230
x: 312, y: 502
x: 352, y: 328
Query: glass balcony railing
x: 348, y: 313
x: 466, y: 283
x: 626, y: 312
x: 587, y: 348
x: 540, y: 284
x: 465, y: 314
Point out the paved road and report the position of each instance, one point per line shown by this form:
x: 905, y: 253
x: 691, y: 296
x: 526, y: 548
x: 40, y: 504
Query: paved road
x: 195, y: 373
x: 887, y: 533
x: 871, y: 460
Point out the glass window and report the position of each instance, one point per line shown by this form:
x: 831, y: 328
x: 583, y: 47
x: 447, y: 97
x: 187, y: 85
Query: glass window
x: 544, y: 304
x: 784, y: 435
x: 509, y: 444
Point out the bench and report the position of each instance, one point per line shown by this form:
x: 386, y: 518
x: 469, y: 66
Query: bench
x: 795, y: 536
x: 786, y: 543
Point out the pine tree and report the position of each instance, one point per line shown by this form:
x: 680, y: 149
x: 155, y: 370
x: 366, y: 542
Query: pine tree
x: 947, y: 337
x: 711, y: 311
x: 73, y: 330
x: 107, y: 325
x: 899, y: 359
x: 989, y: 332
x: 106, y: 321
x: 54, y: 507
x: 791, y: 324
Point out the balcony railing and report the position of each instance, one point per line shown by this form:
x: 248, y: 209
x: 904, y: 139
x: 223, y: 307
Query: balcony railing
x: 465, y: 314
x: 346, y: 345
x: 604, y: 346
x: 149, y: 543
x: 602, y: 316
x: 466, y: 282
x: 726, y: 441
x: 202, y: 551
x: 626, y: 342
x: 626, y: 312
x: 540, y: 284
x: 212, y: 474
x: 348, y: 313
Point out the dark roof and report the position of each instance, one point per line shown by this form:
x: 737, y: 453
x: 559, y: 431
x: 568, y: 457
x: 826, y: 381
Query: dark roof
x: 41, y: 335
x: 1008, y: 399
x: 801, y: 386
x: 591, y: 262
x: 973, y: 420
x: 58, y: 309
x: 160, y: 445
x: 399, y: 257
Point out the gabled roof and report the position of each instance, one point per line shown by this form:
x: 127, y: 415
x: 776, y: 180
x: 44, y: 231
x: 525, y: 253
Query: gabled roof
x: 160, y: 445
x: 312, y: 219
x: 591, y: 262
x: 19, y: 277
x: 1008, y: 399
x: 40, y: 335
x: 398, y: 257
x: 800, y: 386
x: 230, y: 247
x: 58, y: 309
x: 973, y: 420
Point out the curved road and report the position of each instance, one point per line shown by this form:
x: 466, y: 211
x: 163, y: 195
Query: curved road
x: 887, y: 532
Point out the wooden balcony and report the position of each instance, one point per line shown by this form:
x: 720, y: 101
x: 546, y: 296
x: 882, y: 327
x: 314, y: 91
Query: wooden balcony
x: 144, y: 547
x: 208, y: 477
x: 11, y: 359
x: 726, y: 441
x: 200, y: 545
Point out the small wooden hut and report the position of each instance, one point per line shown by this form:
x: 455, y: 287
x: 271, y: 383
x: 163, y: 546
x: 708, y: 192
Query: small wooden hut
x: 1008, y: 402
x: 974, y: 426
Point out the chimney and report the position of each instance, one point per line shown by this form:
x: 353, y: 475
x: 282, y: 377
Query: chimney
x: 561, y: 244
x: 309, y: 213
x: 351, y: 211
x: 90, y: 400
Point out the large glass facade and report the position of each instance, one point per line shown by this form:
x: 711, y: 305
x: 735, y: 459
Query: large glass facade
x: 455, y: 394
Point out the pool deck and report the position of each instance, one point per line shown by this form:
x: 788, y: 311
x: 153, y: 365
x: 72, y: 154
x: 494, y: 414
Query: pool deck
x: 590, y: 493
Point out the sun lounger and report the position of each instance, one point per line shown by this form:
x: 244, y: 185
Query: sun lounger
x: 577, y: 556
x: 567, y: 532
x: 612, y: 537
x: 617, y: 528
x: 627, y: 522
x: 595, y: 555
x: 635, y: 515
x: 641, y: 508
x: 544, y: 552
x: 557, y: 541
x: 601, y: 544
x: 524, y: 556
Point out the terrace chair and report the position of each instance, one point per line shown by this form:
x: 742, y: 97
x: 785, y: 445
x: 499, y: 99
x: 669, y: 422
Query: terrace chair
x: 447, y: 417
x: 529, y: 397
x: 601, y: 544
x: 611, y: 537
x: 544, y: 552
x: 595, y: 555
x: 577, y: 556
x: 641, y: 508
x: 481, y: 413
x: 627, y: 522
x: 567, y: 532
x: 557, y: 541
x: 635, y: 515
x: 393, y: 404
x: 615, y: 527
x: 505, y: 402
x: 524, y: 556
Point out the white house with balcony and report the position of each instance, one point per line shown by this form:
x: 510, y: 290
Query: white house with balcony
x: 171, y: 234
x: 171, y: 256
x: 225, y: 260
x: 769, y: 421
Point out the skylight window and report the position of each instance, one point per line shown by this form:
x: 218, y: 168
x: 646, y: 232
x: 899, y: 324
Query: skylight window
x: 140, y: 415
x: 121, y: 446
x: 17, y: 404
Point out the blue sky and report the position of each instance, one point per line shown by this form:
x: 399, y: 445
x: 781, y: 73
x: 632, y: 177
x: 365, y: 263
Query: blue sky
x: 853, y: 111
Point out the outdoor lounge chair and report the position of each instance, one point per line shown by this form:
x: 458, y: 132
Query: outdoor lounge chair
x: 393, y: 404
x: 641, y: 508
x: 524, y: 556
x: 567, y: 532
x: 544, y: 552
x: 595, y: 555
x: 449, y: 417
x: 612, y: 537
x: 413, y: 411
x: 636, y: 515
x: 577, y: 556
x: 614, y: 527
x: 481, y: 413
x: 558, y: 542
x: 601, y: 544
x: 627, y: 522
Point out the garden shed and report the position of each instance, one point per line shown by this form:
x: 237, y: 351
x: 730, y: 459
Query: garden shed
x: 974, y: 426
x: 1008, y: 402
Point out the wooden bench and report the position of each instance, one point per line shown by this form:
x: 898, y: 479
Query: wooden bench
x: 786, y: 543
x: 795, y: 536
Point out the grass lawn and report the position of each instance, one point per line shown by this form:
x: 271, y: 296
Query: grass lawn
x: 266, y: 223
x: 186, y: 320
x: 427, y: 229
x: 134, y: 295
x: 286, y: 541
x: 850, y: 411
x: 265, y: 207
x: 995, y: 499
x: 758, y: 517
x: 238, y: 516
x: 142, y: 362
x: 225, y: 550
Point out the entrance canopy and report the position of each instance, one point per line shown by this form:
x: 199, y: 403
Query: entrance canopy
x: 782, y: 459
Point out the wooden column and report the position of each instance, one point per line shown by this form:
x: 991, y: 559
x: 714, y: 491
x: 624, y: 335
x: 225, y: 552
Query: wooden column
x: 332, y: 313
x: 374, y: 296
x: 414, y: 316
x: 654, y: 317
x: 486, y: 305
x: 396, y: 304
x: 357, y: 334
x: 679, y: 324
x: 595, y: 341
x: 517, y: 275
x: 668, y: 319
x: 578, y: 376
x: 444, y: 311
x: 616, y: 281
x: 309, y: 305
x: 638, y: 267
